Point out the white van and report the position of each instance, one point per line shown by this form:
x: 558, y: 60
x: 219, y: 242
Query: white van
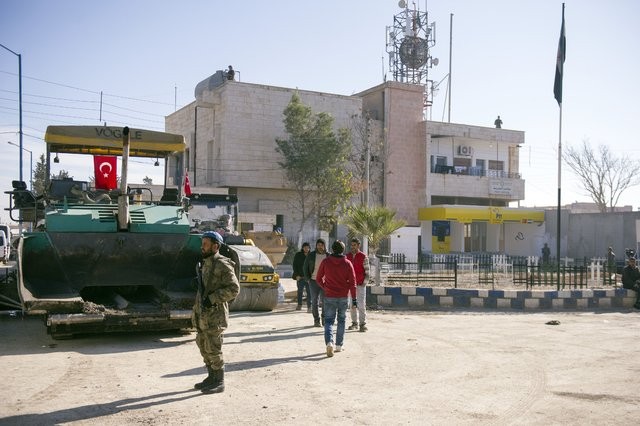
x: 4, y: 247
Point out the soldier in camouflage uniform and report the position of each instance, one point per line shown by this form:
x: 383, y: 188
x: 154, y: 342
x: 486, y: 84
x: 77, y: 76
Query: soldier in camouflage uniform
x: 217, y: 286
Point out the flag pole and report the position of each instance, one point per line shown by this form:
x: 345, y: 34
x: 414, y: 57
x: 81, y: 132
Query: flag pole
x: 557, y: 92
x: 559, y: 196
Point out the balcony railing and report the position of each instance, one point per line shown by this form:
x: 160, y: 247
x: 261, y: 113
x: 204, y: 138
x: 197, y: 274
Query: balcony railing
x: 473, y: 171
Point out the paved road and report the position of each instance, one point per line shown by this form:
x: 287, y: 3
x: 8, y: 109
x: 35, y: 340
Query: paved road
x: 438, y: 368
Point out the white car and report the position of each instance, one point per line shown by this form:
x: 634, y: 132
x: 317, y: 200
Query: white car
x: 4, y: 247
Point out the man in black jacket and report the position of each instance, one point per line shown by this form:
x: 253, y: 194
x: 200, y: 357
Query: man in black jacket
x: 298, y: 275
x: 631, y: 279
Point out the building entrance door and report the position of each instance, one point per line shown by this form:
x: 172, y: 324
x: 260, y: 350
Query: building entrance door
x: 475, y: 236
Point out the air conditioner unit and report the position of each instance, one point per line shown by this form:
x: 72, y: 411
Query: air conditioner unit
x: 465, y: 150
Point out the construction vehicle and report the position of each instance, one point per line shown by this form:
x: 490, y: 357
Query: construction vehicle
x: 93, y: 264
x: 206, y: 214
x: 259, y: 281
x: 272, y: 243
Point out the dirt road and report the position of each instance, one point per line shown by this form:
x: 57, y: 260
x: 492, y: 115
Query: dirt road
x: 410, y: 368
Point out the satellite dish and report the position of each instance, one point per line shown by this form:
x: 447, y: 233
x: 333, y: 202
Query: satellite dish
x: 435, y: 62
x: 402, y: 4
x: 414, y: 52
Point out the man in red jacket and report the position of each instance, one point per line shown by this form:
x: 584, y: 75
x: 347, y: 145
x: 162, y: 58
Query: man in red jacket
x: 337, y: 278
x: 360, y: 263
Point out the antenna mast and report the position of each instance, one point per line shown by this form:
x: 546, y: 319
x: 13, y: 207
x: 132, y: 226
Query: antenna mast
x: 409, y: 41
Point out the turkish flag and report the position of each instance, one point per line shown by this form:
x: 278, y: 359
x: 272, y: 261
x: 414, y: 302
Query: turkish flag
x: 105, y: 170
x: 187, y: 185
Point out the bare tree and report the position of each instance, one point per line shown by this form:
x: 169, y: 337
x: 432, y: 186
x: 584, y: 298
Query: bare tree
x: 367, y: 138
x: 604, y: 176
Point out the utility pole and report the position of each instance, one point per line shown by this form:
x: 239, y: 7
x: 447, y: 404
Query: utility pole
x: 19, y: 101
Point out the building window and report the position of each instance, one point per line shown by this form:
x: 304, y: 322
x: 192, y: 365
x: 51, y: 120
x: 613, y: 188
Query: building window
x: 441, y: 165
x: 245, y: 226
x: 479, y: 169
x: 496, y: 168
x: 461, y: 165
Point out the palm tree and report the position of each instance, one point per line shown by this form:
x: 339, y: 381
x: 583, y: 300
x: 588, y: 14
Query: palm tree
x: 373, y: 223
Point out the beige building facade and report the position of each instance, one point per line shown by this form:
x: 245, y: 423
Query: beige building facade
x: 231, y: 129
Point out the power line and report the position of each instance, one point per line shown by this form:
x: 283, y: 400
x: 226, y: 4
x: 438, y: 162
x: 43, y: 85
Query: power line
x: 136, y: 99
x: 53, y: 105
x: 83, y: 118
x: 87, y: 90
x: 51, y: 82
x: 128, y: 116
x: 47, y: 97
x: 74, y: 100
x: 49, y: 113
x: 133, y: 110
x: 55, y: 117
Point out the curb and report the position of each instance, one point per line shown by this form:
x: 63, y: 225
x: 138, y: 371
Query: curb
x: 529, y: 300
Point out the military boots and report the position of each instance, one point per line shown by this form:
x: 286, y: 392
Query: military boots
x: 217, y: 384
x: 206, y: 382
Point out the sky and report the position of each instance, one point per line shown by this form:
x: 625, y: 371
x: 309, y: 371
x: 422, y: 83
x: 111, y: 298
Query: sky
x: 145, y: 57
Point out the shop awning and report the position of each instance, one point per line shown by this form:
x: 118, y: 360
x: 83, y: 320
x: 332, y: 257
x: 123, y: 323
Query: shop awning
x: 468, y: 214
x: 107, y: 140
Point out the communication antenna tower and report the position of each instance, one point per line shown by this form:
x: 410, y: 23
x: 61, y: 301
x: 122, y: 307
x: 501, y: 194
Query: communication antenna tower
x: 409, y: 41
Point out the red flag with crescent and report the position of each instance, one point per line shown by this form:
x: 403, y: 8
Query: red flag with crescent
x: 187, y: 185
x: 105, y: 170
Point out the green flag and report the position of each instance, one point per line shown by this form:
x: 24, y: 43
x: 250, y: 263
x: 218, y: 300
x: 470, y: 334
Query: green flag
x: 562, y: 50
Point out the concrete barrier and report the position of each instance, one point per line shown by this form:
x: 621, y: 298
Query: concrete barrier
x: 521, y: 300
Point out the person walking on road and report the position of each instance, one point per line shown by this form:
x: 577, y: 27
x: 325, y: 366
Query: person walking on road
x: 337, y: 278
x: 631, y: 279
x: 298, y: 275
x: 217, y: 286
x: 360, y: 263
x: 310, y: 269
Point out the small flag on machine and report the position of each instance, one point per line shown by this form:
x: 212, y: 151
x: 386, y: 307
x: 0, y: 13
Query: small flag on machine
x: 187, y: 185
x: 105, y: 169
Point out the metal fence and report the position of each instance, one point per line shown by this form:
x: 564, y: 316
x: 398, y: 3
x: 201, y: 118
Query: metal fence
x: 497, y: 271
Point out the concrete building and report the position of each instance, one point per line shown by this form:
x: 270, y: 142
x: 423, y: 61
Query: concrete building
x: 231, y: 130
x: 453, y: 182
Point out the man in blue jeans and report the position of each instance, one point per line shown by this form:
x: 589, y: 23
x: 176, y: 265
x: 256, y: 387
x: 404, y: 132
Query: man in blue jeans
x: 337, y: 278
x: 310, y: 269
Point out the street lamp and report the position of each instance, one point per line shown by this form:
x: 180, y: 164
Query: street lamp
x: 19, y: 99
x: 30, y: 161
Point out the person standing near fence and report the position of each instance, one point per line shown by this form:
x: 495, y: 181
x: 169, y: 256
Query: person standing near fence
x: 611, y: 260
x: 310, y: 269
x: 546, y: 252
x: 360, y: 263
x: 338, y: 280
x: 631, y: 279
